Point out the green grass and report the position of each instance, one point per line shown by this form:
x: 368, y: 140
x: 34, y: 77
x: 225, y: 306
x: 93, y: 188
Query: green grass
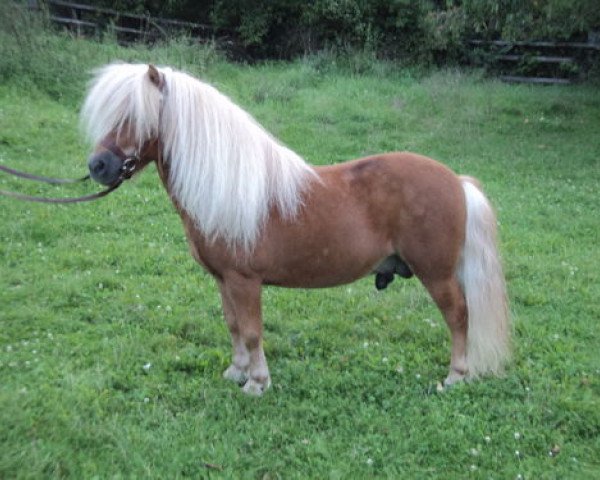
x: 91, y: 293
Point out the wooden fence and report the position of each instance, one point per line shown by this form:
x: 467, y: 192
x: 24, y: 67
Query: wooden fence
x: 518, y: 61
x: 91, y: 21
x: 539, y: 62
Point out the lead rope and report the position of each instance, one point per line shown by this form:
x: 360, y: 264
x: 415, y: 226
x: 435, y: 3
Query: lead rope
x: 84, y: 198
x: 31, y: 176
x: 54, y: 181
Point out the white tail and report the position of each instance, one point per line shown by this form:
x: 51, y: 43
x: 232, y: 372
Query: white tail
x: 482, y: 280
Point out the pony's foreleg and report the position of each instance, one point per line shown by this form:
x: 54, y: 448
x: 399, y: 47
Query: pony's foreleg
x: 238, y: 370
x: 449, y: 298
x: 242, y: 296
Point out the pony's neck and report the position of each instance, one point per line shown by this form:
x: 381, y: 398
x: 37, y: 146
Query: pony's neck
x: 225, y: 171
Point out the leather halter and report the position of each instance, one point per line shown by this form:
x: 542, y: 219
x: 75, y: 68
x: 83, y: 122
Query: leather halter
x: 129, y: 162
x: 129, y: 165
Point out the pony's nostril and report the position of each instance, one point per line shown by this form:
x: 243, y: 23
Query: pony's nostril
x: 98, y: 165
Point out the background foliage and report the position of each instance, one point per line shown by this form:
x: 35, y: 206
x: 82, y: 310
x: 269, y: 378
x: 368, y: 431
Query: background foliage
x: 431, y: 30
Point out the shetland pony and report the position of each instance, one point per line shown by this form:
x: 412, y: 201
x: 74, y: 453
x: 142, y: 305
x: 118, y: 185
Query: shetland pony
x: 255, y: 213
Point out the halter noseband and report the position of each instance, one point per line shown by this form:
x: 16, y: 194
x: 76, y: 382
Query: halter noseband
x: 130, y: 162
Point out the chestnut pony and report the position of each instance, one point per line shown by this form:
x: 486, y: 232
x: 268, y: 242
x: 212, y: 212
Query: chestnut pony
x: 256, y: 214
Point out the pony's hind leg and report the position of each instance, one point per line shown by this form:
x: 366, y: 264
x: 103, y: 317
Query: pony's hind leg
x: 242, y: 297
x: 449, y: 298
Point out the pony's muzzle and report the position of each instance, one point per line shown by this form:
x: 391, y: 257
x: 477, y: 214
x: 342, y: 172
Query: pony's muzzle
x: 105, y: 167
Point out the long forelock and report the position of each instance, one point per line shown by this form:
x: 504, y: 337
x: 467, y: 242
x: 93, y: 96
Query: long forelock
x: 120, y: 96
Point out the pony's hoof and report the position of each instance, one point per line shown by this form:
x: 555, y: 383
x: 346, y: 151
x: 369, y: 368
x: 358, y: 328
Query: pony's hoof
x: 234, y: 374
x: 255, y: 388
x: 453, y: 378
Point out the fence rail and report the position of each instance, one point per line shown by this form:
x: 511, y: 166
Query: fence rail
x: 89, y: 20
x: 540, y: 62
x: 514, y: 61
x: 537, y: 44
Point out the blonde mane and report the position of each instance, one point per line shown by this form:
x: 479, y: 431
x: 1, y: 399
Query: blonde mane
x: 225, y: 170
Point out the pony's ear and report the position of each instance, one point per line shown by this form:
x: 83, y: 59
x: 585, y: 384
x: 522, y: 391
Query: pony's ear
x: 156, y: 77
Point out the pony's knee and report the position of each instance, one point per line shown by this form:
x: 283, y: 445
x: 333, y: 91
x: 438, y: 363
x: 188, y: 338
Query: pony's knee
x: 252, y: 339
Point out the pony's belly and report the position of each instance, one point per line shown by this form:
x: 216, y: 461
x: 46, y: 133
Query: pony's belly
x: 318, y: 280
x: 326, y: 253
x: 322, y: 271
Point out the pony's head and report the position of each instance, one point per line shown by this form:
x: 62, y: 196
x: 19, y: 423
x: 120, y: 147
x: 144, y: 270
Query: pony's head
x: 121, y: 116
x: 224, y: 170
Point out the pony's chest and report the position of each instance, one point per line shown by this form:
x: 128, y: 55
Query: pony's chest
x: 202, y: 250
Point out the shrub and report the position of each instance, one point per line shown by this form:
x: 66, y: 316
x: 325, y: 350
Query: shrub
x: 356, y: 34
x: 60, y: 64
x: 542, y: 19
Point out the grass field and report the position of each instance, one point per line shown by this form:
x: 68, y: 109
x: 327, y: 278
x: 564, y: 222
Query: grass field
x: 112, y: 341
